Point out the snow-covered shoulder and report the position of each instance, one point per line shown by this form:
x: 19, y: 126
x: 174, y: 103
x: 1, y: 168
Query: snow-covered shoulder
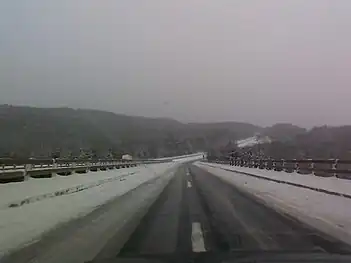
x: 23, y: 224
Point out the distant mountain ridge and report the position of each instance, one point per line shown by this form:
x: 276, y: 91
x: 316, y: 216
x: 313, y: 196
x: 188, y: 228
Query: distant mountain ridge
x: 29, y: 131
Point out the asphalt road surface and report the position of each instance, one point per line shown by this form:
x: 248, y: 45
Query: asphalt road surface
x: 198, y: 212
x: 177, y: 216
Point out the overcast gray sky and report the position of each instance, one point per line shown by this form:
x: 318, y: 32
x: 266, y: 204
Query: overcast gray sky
x: 259, y: 61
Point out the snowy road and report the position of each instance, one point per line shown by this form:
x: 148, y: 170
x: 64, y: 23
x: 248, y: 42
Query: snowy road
x: 32, y: 208
x: 198, y: 208
x: 186, y: 210
x: 198, y: 212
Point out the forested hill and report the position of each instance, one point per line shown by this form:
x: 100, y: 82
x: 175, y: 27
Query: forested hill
x: 29, y: 131
x: 292, y: 142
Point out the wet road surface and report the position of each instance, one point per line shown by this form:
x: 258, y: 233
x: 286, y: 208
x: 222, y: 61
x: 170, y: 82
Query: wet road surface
x: 198, y: 212
x: 179, y: 216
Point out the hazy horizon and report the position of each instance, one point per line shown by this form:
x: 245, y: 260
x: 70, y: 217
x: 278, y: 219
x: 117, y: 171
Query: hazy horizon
x: 260, y: 62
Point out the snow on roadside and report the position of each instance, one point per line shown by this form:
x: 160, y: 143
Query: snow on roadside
x: 330, y: 214
x: 33, y: 190
x: 332, y: 184
x: 12, y: 193
x: 24, y: 224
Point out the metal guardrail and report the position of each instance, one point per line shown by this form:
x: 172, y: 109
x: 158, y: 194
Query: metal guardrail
x: 318, y: 167
x: 16, y: 170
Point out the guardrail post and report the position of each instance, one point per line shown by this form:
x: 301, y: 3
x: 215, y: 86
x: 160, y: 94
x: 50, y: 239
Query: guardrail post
x: 312, y: 166
x: 88, y: 165
x: 54, y: 166
x: 335, y: 167
x: 283, y: 165
x: 73, y: 166
x: 297, y: 166
x: 27, y: 168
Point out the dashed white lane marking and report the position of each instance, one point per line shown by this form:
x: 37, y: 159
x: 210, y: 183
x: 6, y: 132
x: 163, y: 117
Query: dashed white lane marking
x: 197, y: 238
x: 189, y: 184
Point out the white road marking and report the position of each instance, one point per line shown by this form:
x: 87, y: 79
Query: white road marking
x: 197, y: 238
x: 189, y: 184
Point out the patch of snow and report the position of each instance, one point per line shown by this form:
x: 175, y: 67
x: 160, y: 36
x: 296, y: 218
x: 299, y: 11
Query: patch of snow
x: 251, y: 141
x: 189, y: 157
x: 328, y: 213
